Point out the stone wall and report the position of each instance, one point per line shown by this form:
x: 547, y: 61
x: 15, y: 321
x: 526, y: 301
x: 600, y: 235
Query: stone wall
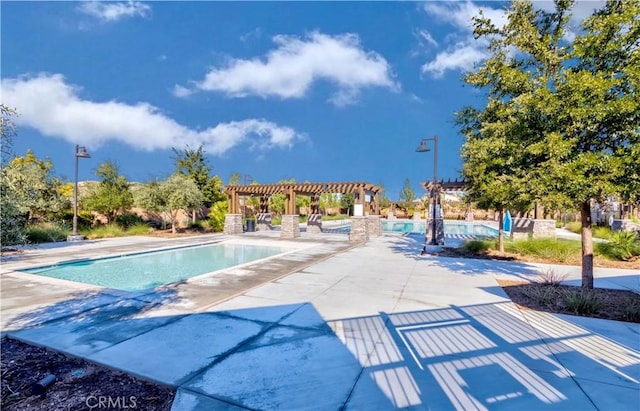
x: 233, y: 224
x: 525, y: 228
x: 290, y: 227
x: 624, y: 225
x: 374, y: 225
x: 359, y: 230
x: 314, y: 223
x: 264, y: 222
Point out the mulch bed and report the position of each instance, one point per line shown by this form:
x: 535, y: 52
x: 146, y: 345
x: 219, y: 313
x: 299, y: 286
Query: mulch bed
x: 79, y: 384
x: 618, y: 305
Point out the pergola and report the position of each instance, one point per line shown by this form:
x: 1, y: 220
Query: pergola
x: 313, y: 190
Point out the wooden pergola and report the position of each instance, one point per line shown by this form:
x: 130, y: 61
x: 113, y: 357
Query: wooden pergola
x: 445, y: 185
x: 313, y: 190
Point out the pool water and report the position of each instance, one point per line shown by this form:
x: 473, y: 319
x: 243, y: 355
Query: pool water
x: 449, y: 228
x: 148, y: 270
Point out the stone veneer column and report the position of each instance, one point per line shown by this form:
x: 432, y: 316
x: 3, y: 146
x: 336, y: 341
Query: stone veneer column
x: 264, y: 222
x: 314, y: 223
x: 521, y: 228
x: 375, y: 227
x: 233, y: 224
x: 359, y: 230
x: 290, y: 227
x: 544, y: 228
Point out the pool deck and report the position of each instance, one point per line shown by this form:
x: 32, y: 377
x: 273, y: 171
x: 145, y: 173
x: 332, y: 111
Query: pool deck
x: 333, y: 326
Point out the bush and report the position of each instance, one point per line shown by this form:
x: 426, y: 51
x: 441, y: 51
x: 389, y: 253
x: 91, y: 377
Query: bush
x: 127, y: 220
x: 574, y: 226
x: 139, y: 229
x: 547, y: 296
x: 549, y: 248
x: 104, y: 231
x: 623, y: 245
x: 46, y: 233
x: 582, y: 301
x: 602, y: 232
x: 217, y: 215
x: 550, y: 277
x: 477, y: 246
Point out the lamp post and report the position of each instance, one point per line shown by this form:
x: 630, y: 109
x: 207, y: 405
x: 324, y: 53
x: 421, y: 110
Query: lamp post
x: 81, y: 152
x: 423, y: 148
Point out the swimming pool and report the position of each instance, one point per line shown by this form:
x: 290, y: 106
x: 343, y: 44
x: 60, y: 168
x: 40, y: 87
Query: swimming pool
x: 449, y: 228
x: 144, y: 271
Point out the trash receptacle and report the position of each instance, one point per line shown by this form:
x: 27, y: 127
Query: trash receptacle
x: 251, y: 225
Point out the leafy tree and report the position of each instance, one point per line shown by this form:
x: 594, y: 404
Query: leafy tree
x: 346, y: 203
x: 192, y: 163
x: 176, y: 193
x: 112, y: 195
x: 407, y: 195
x: 217, y: 215
x: 30, y: 183
x: 234, y: 179
x: 572, y: 108
x: 276, y: 201
x: 11, y: 219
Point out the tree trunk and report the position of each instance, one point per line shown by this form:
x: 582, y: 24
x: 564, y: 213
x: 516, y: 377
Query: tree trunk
x: 587, y: 246
x: 193, y: 216
x: 501, y: 231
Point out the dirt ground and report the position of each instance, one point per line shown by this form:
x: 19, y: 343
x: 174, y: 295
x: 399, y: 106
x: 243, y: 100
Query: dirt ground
x: 78, y: 385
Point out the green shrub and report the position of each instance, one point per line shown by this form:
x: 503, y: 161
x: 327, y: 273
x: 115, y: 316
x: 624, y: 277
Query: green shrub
x: 582, y: 301
x: 127, y: 220
x: 550, y: 277
x: 622, y: 245
x: 104, y: 231
x: 217, y: 215
x: 477, y: 246
x: 574, y: 226
x: 139, y: 229
x: 550, y: 248
x: 46, y: 232
x: 602, y: 232
x: 632, y: 311
x: 547, y: 296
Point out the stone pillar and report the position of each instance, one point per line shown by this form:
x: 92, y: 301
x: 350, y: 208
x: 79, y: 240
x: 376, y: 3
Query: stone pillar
x: 264, y: 222
x: 521, y: 228
x: 543, y: 228
x: 359, y: 230
x: 233, y: 224
x: 314, y: 223
x: 375, y: 228
x: 290, y: 227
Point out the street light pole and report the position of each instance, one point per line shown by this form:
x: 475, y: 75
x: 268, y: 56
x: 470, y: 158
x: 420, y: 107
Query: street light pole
x: 423, y: 148
x: 80, y: 152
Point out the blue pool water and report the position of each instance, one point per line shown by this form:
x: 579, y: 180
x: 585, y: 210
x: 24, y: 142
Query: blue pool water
x: 148, y: 270
x: 449, y: 228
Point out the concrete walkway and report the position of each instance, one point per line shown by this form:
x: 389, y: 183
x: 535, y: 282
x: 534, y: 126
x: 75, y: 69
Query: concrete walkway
x: 374, y: 327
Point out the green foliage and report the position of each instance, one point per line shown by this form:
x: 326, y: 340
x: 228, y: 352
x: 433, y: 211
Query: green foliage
x: 548, y: 248
x: 192, y: 163
x: 128, y: 220
x: 346, y: 203
x: 7, y: 132
x: 478, y: 246
x: 407, y: 195
x: 601, y: 232
x: 561, y: 122
x: 46, y: 233
x: 217, y: 215
x: 112, y: 195
x: 632, y: 311
x: 582, y: 301
x: 32, y: 188
x: 138, y: 229
x: 547, y: 296
x: 574, y: 227
x: 104, y: 231
x: 623, y: 245
x: 176, y: 193
x: 551, y: 277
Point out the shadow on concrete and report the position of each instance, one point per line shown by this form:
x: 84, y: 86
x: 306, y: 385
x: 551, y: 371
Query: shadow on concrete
x: 288, y: 357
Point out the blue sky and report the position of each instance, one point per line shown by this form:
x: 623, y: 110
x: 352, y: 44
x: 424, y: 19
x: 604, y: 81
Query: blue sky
x: 318, y: 91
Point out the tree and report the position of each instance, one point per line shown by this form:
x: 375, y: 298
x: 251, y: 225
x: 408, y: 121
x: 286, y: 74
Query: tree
x: 346, y: 203
x: 35, y: 191
x: 571, y: 109
x: 112, y: 195
x: 176, y: 193
x: 192, y: 163
x: 11, y: 219
x: 407, y: 195
x: 234, y: 179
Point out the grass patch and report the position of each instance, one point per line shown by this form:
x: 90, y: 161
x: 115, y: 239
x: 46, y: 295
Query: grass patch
x: 574, y: 226
x: 46, y: 233
x: 622, y: 246
x: 104, y: 231
x: 478, y: 246
x: 555, y: 250
x: 139, y: 229
x: 582, y: 301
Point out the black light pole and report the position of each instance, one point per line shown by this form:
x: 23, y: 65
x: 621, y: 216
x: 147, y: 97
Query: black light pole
x: 423, y: 148
x: 80, y: 152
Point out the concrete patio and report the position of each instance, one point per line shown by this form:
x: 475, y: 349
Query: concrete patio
x: 330, y: 326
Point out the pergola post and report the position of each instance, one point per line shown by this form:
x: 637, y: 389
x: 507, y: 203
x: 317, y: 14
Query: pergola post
x: 264, y: 216
x: 314, y: 221
x: 290, y: 227
x: 233, y: 220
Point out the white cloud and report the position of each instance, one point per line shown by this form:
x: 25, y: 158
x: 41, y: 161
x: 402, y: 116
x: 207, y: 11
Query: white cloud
x: 54, y: 108
x: 110, y: 11
x: 180, y: 91
x: 462, y: 57
x: 289, y: 70
x: 425, y: 36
